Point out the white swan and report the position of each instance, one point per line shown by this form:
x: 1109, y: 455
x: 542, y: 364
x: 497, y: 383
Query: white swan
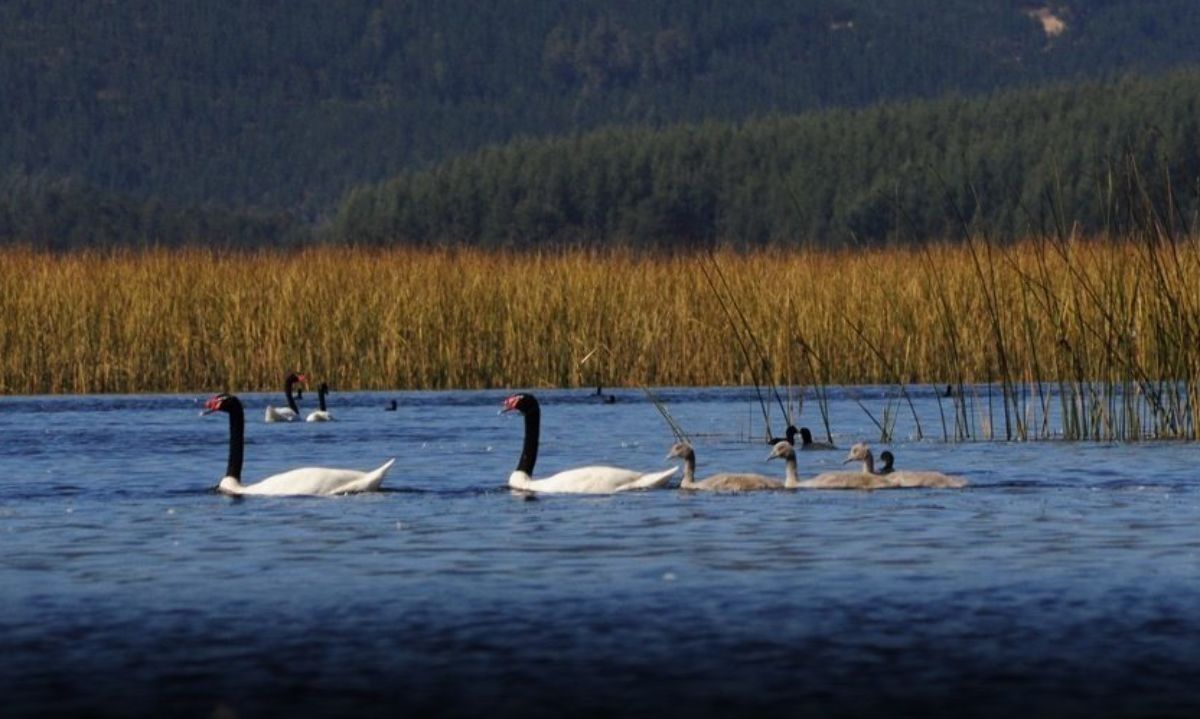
x: 584, y: 480
x: 305, y: 481
x: 321, y: 414
x: 725, y: 482
x: 291, y: 411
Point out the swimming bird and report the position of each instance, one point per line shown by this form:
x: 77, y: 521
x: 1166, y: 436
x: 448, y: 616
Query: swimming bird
x: 321, y: 414
x: 304, y: 481
x: 605, y: 398
x: 724, y: 482
x: 291, y: 411
x: 789, y: 436
x: 807, y: 442
x: 910, y: 479
x: 829, y: 480
x: 391, y: 406
x: 583, y: 480
x: 787, y: 451
x: 901, y: 479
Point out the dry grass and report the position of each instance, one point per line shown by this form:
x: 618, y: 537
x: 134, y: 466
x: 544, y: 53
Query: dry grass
x: 1062, y: 313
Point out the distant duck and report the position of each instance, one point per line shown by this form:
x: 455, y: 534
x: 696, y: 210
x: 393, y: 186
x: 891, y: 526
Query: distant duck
x: 605, y: 398
x: 789, y: 436
x: 807, y: 442
x: 888, y: 459
x: 305, y: 481
x: 391, y: 406
x: 291, y: 411
x: 724, y: 482
x: 583, y: 480
x: 321, y: 414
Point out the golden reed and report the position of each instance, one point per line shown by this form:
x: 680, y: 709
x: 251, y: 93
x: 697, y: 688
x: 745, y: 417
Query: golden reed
x: 1115, y: 311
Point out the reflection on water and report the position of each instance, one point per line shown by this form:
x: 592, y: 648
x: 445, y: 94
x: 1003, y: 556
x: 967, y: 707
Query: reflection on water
x: 1063, y: 582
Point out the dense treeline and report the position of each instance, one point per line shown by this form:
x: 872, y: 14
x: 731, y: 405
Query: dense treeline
x: 1017, y: 163
x: 286, y: 105
x: 66, y: 213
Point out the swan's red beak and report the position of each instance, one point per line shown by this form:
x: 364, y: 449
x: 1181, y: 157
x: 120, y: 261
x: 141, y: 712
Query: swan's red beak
x: 212, y: 405
x: 510, y: 404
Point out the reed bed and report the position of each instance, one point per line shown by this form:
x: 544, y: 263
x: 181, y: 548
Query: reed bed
x: 1101, y: 333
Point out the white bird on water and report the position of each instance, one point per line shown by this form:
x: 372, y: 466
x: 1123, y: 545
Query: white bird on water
x: 596, y: 479
x: 304, y: 481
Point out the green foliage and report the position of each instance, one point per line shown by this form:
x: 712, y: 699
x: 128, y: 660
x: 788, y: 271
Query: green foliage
x: 287, y: 105
x: 61, y: 214
x: 1021, y: 162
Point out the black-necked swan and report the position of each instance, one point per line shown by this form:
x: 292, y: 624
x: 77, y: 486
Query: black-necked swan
x: 305, y: 481
x: 583, y: 480
x: 321, y: 414
x: 723, y: 482
x: 807, y: 443
x: 789, y: 436
x: 291, y: 411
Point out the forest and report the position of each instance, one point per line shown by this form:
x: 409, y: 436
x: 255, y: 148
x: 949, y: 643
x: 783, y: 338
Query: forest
x: 167, y: 122
x: 1021, y: 163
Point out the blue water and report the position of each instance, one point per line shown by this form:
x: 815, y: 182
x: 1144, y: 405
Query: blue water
x: 1065, y: 581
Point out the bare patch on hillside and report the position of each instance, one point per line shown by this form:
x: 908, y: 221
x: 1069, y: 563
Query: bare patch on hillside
x: 1052, y: 24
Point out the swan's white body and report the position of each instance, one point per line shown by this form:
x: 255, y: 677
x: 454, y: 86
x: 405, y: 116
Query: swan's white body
x: 597, y: 479
x: 321, y: 414
x: 306, y: 481
x: 279, y: 414
x: 321, y: 481
x: 290, y: 412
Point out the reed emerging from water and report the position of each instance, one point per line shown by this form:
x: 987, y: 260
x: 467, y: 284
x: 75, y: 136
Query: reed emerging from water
x: 1101, y: 333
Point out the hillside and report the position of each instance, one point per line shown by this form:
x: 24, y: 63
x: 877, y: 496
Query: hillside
x: 1100, y: 155
x: 284, y: 106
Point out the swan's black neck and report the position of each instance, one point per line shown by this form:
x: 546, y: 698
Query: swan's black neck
x: 287, y: 390
x: 533, y: 427
x: 237, y: 437
x: 321, y: 396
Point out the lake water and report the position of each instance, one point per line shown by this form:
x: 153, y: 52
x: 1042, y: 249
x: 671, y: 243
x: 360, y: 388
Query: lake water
x: 1064, y: 582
